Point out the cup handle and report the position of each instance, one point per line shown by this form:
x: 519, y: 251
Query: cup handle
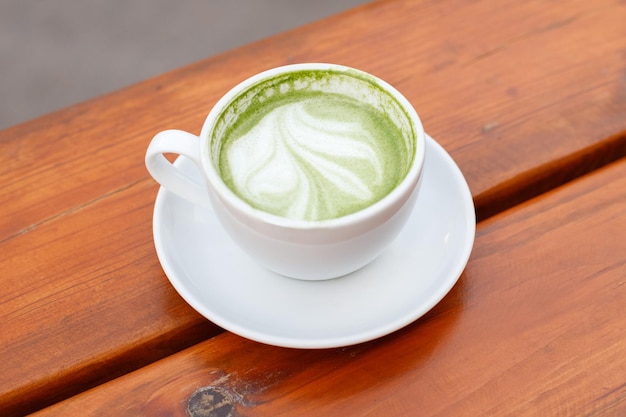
x: 171, y: 176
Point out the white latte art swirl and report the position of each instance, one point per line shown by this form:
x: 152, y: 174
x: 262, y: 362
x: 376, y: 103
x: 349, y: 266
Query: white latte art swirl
x: 314, y: 158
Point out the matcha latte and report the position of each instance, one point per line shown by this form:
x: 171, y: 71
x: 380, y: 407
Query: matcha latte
x: 312, y: 169
x: 313, y: 145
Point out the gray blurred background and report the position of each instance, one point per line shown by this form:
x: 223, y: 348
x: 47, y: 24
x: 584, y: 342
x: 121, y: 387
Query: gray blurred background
x: 54, y: 53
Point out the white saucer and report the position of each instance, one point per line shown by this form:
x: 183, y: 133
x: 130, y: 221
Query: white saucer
x: 411, y: 277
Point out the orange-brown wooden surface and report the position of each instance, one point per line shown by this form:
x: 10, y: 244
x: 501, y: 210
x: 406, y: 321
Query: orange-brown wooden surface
x: 524, y: 95
x: 535, y: 327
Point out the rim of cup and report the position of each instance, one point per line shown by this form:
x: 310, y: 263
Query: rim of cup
x: 402, y: 191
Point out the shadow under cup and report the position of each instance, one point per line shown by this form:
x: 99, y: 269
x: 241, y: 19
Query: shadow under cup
x: 313, y: 169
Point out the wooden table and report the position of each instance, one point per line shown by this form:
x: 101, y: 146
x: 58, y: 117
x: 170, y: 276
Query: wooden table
x: 529, y: 98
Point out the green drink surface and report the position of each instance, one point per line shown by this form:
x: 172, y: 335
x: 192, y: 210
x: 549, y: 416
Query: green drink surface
x: 311, y: 155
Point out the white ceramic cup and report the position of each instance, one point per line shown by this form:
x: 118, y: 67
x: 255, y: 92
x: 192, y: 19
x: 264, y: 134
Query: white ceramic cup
x: 303, y: 249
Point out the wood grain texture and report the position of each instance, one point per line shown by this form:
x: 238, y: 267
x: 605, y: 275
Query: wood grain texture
x: 523, y: 95
x: 534, y: 327
x: 76, y: 295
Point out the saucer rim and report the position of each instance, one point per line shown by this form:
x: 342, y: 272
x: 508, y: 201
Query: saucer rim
x: 448, y: 281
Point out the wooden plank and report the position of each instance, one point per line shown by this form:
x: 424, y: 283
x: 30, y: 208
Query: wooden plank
x: 526, y: 80
x: 534, y: 327
x: 524, y: 96
x: 88, y: 302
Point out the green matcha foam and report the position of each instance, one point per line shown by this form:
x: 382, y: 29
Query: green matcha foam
x: 313, y: 145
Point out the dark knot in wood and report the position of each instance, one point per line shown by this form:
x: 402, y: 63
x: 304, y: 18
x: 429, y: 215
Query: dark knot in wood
x: 210, y: 402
